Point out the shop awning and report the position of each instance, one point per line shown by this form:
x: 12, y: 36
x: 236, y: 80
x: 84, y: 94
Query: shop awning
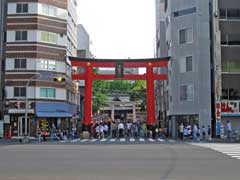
x: 54, y: 114
x: 55, y: 109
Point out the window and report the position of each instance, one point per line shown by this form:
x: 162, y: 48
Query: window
x: 185, y: 35
x: 188, y: 63
x: 48, y: 65
x: 21, y: 36
x: 47, y: 92
x: 49, y: 10
x: 19, y: 92
x: 186, y: 93
x: 185, y: 12
x: 20, y: 63
x: 49, y: 37
x: 22, y: 8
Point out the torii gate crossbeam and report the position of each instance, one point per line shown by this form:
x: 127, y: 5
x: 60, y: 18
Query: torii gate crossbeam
x: 89, y: 76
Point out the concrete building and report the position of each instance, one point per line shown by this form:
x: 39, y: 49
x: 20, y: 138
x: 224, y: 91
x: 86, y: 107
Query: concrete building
x: 83, y: 44
x: 186, y: 96
x: 226, y: 53
x: 2, y: 61
x: 40, y: 36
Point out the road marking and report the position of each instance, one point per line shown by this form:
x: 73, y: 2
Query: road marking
x: 63, y: 141
x: 84, y: 140
x: 122, y: 139
x: 103, y: 140
x: 141, y: 140
x: 231, y: 150
x: 151, y: 140
x: 75, y: 140
x: 161, y: 140
x: 132, y: 140
x: 113, y: 140
x: 93, y: 140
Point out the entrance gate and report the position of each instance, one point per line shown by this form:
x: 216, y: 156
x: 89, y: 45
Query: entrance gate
x: 88, y: 75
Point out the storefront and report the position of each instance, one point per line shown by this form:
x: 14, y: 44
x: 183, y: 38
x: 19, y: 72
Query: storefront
x: 55, y: 115
x: 230, y: 110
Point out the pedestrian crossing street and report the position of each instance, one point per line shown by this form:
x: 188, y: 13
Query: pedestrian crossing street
x: 118, y: 140
x: 232, y: 150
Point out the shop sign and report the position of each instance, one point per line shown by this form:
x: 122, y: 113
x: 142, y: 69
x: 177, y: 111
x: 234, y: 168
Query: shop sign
x: 230, y: 108
x: 6, y: 119
x: 1, y: 129
x: 218, y: 118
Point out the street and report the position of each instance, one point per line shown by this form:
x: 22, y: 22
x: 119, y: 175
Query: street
x: 178, y: 161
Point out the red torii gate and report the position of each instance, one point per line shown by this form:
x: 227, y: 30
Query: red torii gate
x: 89, y: 76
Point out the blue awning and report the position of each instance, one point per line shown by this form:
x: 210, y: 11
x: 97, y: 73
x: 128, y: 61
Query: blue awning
x: 55, y: 109
x: 54, y: 114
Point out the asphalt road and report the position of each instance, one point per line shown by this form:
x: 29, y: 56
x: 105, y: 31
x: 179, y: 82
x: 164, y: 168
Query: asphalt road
x: 115, y: 162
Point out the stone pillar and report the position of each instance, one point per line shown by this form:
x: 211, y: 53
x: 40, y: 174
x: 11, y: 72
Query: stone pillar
x: 112, y: 112
x: 134, y: 112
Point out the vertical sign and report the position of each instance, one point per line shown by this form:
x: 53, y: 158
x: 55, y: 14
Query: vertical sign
x: 119, y: 70
x: 218, y: 118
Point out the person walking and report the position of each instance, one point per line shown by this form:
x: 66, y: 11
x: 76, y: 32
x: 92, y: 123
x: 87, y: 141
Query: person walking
x: 195, y: 131
x: 120, y: 129
x: 209, y: 131
x: 229, y: 131
x: 181, y: 128
x: 39, y: 133
x: 203, y: 133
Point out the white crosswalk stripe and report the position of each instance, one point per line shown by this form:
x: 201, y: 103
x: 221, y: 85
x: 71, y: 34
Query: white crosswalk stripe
x: 122, y: 139
x: 232, y: 150
x: 103, y: 140
x: 161, y: 140
x: 75, y: 140
x: 151, y: 140
x: 93, y: 140
x: 84, y: 140
x: 130, y: 140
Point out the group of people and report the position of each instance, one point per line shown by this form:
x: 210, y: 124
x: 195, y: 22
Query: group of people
x: 194, y: 132
x: 118, y: 129
x: 55, y: 134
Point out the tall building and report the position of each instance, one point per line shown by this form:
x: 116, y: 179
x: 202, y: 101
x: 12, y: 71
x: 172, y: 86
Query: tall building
x: 186, y: 96
x: 83, y: 44
x: 2, y: 54
x: 40, y: 36
x: 226, y: 38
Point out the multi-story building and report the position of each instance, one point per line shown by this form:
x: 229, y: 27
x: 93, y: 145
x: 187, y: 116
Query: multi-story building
x: 188, y: 89
x: 2, y: 54
x: 226, y: 40
x: 40, y: 36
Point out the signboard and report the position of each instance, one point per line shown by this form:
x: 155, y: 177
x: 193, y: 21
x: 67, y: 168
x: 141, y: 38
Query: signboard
x: 218, y: 118
x: 1, y: 129
x: 119, y: 70
x: 230, y: 108
x: 7, y: 119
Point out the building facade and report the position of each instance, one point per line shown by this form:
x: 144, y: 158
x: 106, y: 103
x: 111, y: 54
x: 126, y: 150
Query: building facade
x: 226, y: 28
x: 186, y: 96
x: 2, y: 54
x: 40, y: 37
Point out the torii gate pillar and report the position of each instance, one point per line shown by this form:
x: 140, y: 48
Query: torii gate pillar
x: 150, y: 96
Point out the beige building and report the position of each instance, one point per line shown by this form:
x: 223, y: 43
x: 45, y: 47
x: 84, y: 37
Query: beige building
x: 40, y: 36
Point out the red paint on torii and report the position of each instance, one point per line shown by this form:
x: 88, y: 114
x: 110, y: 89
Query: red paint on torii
x: 89, y: 76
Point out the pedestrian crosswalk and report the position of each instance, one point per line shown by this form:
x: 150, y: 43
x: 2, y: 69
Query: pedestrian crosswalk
x: 229, y: 149
x: 118, y: 140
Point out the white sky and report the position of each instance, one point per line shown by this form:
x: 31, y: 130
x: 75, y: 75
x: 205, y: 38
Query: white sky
x: 119, y: 28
